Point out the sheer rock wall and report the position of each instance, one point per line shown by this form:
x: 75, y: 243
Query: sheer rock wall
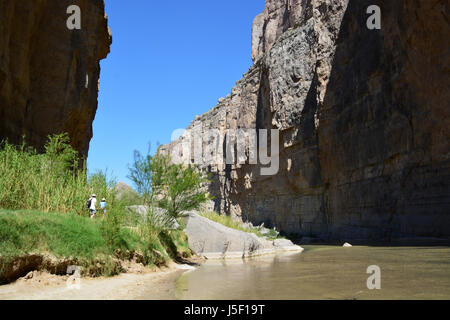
x: 363, y: 118
x: 49, y: 74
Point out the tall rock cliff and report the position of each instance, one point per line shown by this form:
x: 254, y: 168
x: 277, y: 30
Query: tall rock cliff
x: 49, y: 74
x: 363, y: 117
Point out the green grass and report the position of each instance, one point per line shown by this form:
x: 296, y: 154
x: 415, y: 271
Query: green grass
x: 63, y: 235
x: 60, y: 235
x: 72, y: 236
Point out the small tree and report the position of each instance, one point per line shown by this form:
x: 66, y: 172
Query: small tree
x: 141, y: 175
x: 173, y: 187
x: 177, y: 187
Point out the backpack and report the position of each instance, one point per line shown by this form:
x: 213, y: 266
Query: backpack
x: 88, y: 204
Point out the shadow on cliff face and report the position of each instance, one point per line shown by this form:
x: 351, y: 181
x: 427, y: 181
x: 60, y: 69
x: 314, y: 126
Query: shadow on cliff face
x: 383, y: 133
x: 375, y: 166
x: 277, y: 200
x: 263, y: 113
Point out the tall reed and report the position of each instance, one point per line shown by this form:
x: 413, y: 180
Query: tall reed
x: 50, y: 182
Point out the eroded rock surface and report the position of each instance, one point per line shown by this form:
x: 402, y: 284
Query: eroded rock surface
x: 49, y: 74
x: 363, y: 118
x: 215, y: 241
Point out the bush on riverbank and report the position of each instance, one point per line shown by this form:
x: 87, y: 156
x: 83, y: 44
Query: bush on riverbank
x: 172, y: 187
x: 79, y: 240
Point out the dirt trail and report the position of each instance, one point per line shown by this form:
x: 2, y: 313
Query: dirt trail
x: 127, y: 286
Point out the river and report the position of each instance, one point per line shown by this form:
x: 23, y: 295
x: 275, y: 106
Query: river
x: 323, y: 272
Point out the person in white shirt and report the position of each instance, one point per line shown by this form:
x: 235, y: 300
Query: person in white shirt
x: 103, y: 205
x: 93, y: 207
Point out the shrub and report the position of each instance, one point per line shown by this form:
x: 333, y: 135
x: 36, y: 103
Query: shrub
x: 141, y: 174
x: 177, y: 187
x: 172, y: 187
x: 111, y: 225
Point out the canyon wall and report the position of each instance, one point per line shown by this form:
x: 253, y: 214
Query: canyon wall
x: 49, y: 74
x: 363, y: 118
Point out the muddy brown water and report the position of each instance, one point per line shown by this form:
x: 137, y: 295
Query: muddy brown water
x: 323, y: 272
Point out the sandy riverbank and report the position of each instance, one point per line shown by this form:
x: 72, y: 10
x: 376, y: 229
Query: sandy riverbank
x: 131, y: 285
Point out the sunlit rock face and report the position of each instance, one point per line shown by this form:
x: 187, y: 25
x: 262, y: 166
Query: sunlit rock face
x: 363, y: 119
x: 49, y: 74
x: 277, y: 17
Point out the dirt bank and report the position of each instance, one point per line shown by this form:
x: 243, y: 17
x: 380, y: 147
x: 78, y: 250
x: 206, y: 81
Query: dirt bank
x: 39, y: 285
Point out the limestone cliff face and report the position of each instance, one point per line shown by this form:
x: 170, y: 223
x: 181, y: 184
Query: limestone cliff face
x: 363, y: 118
x: 277, y: 17
x: 49, y: 74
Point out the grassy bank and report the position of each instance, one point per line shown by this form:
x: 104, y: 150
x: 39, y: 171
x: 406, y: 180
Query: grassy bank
x: 44, y: 223
x: 78, y: 240
x: 227, y: 221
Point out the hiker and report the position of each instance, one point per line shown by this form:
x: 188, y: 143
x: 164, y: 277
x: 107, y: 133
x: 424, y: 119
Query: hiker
x: 92, y: 205
x: 103, y: 205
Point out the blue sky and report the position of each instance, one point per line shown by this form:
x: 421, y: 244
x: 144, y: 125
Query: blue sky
x: 169, y: 61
